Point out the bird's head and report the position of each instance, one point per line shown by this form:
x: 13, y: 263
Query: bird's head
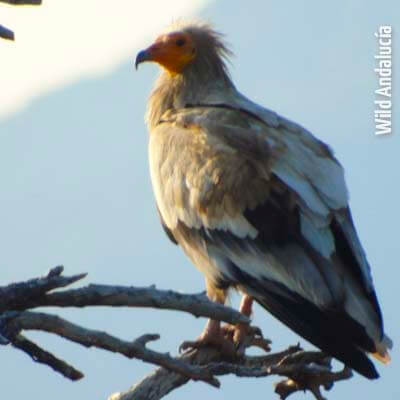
x: 186, y: 44
x: 173, y: 51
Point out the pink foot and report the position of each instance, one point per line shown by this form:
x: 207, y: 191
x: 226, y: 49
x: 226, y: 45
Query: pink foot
x: 212, y: 335
x: 232, y: 340
x: 244, y: 336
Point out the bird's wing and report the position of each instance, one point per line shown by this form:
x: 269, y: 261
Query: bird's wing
x: 167, y: 231
x: 265, y: 208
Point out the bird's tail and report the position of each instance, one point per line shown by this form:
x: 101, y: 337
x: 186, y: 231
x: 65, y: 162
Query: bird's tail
x: 334, y: 333
x: 382, y: 350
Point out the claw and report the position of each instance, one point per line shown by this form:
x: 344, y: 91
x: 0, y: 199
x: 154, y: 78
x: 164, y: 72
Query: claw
x: 211, y: 336
x: 255, y: 331
x: 232, y: 340
x: 244, y: 336
x: 188, y: 345
x: 226, y: 346
x: 262, y: 343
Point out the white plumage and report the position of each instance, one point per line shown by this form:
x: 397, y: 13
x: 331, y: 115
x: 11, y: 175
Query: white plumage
x: 257, y: 202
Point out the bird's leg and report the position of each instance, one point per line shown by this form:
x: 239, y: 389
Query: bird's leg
x: 212, y: 334
x: 243, y: 335
x: 246, y: 305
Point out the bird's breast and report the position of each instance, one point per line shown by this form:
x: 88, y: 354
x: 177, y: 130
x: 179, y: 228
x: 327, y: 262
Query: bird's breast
x: 201, y: 181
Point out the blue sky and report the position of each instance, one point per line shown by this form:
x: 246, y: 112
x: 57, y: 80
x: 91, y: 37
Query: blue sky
x: 76, y: 188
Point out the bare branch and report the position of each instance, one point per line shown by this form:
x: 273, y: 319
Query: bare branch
x: 6, y: 33
x: 122, y: 296
x: 33, y: 293
x: 19, y: 295
x: 14, y: 322
x: 161, y: 381
x: 307, y: 377
x: 302, y: 370
x: 44, y: 357
x: 22, y: 2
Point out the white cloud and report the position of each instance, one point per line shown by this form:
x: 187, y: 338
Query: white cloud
x: 60, y: 41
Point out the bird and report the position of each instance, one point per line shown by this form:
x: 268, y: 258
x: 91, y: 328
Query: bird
x: 258, y: 204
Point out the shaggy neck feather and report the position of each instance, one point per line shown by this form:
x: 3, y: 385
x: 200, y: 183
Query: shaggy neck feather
x: 206, y: 76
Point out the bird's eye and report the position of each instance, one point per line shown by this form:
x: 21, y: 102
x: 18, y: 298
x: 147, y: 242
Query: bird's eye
x: 180, y: 42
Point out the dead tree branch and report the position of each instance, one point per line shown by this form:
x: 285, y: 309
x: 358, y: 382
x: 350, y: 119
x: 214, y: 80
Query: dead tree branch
x: 18, y: 321
x: 17, y: 297
x: 34, y: 293
x: 6, y: 33
x: 162, y: 381
x: 22, y: 295
x: 303, y: 370
x: 22, y: 2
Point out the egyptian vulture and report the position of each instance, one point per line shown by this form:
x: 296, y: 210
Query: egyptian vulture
x: 257, y: 203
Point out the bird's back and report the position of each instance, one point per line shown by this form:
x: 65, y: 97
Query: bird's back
x: 252, y: 208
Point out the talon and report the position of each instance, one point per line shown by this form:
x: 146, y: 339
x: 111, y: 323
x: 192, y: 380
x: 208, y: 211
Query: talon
x: 187, y: 345
x: 262, y: 343
x: 231, y: 340
x: 244, y: 336
x: 212, y: 336
x: 255, y: 331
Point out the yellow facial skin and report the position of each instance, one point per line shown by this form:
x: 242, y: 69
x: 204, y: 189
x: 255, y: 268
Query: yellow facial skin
x: 172, y: 51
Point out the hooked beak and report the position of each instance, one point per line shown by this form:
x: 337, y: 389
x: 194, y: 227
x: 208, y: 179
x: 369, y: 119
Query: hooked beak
x: 142, y: 56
